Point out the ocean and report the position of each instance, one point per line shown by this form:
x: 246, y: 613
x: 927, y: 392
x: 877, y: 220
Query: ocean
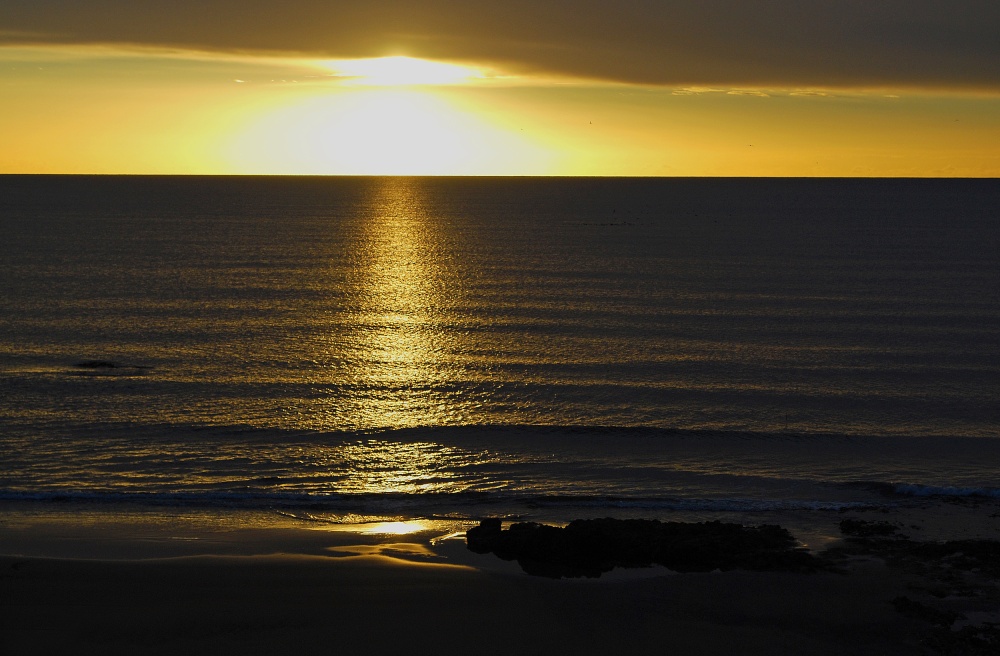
x: 338, y: 349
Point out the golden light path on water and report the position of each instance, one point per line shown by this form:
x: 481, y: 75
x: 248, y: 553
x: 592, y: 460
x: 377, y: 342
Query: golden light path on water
x: 401, y: 352
x: 399, y: 357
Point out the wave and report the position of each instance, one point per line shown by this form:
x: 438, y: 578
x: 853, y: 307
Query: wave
x: 916, y: 490
x: 479, y: 470
x: 462, y: 431
x: 464, y: 505
x: 290, y: 499
x: 923, y: 490
x: 474, y: 505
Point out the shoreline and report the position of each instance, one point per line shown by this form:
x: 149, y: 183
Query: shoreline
x: 175, y: 582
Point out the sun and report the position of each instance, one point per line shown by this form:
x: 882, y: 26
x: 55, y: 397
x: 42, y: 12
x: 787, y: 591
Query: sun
x: 395, y: 131
x: 381, y: 130
x: 384, y: 116
x: 367, y: 132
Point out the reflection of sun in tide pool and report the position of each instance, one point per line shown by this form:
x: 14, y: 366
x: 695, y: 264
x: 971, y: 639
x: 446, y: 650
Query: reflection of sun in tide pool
x: 380, y: 121
x: 394, y: 528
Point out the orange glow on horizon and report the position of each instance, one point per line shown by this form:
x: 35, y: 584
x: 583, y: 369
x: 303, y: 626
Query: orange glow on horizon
x: 102, y: 110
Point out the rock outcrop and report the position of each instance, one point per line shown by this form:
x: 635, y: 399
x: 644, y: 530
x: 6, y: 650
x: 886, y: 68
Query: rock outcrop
x: 591, y: 547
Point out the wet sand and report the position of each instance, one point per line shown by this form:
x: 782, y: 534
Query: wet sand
x: 121, y: 587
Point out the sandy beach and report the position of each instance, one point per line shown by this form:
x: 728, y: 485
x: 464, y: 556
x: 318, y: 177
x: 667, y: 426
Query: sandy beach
x: 152, y: 584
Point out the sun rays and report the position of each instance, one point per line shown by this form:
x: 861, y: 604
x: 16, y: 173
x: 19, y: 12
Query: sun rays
x: 384, y: 117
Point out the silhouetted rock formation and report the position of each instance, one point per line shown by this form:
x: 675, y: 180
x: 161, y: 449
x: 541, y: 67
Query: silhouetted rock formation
x: 590, y: 547
x: 958, y: 578
x: 876, y: 539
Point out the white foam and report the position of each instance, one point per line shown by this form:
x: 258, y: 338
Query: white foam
x: 946, y: 491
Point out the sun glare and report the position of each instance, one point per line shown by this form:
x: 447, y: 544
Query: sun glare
x: 381, y: 131
x: 400, y: 71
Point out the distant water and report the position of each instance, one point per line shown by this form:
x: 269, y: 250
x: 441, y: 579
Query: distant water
x: 469, y: 346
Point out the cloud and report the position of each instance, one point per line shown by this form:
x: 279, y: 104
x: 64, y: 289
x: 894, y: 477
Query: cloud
x: 810, y: 93
x: 748, y: 92
x: 681, y: 43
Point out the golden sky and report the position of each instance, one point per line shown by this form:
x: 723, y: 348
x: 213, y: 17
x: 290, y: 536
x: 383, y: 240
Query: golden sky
x: 717, y: 87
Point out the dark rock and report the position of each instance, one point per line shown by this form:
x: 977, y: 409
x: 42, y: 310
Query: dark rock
x: 483, y: 538
x: 594, y: 546
x: 965, y: 555
x: 923, y: 612
x: 953, y: 568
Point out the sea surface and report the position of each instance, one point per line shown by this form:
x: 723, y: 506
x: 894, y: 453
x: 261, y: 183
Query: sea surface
x: 338, y: 348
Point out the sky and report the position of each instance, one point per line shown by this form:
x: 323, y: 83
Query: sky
x: 548, y: 87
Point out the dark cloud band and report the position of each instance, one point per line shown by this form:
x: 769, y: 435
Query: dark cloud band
x: 777, y: 43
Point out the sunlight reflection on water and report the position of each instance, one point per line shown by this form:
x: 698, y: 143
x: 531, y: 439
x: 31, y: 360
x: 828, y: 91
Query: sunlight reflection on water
x: 398, y: 348
x: 394, y: 528
x: 274, y: 341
